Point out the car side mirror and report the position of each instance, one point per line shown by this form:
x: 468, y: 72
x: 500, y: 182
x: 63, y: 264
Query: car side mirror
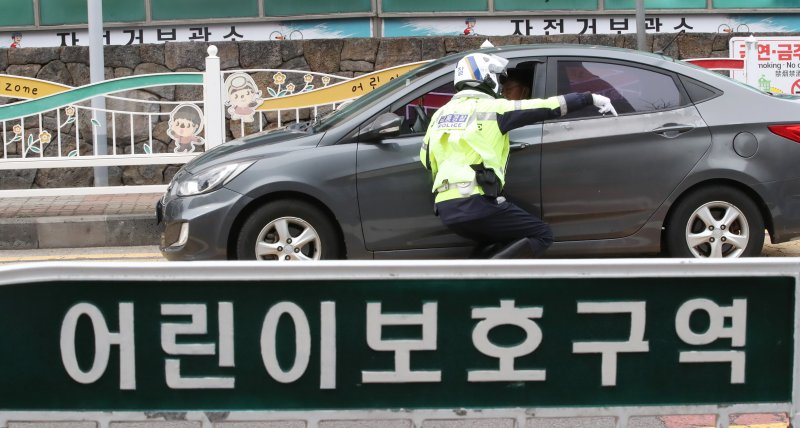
x: 384, y: 126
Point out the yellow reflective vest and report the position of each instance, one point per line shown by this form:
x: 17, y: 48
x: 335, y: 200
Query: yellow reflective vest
x: 466, y: 131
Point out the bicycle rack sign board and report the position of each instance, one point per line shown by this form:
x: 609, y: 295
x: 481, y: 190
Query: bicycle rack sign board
x: 397, y: 344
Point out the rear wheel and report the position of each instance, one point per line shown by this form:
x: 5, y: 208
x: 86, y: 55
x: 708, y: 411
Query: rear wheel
x: 286, y: 230
x: 715, y: 222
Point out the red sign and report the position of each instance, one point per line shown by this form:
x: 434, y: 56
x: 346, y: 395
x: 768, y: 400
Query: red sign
x: 796, y: 87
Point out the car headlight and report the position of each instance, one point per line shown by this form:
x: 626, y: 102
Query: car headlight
x: 210, y: 179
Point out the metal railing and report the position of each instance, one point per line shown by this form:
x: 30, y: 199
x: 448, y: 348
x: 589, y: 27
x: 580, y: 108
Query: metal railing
x: 61, y: 130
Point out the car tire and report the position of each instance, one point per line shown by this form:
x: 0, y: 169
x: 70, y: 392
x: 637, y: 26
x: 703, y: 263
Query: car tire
x: 715, y: 222
x: 272, y: 233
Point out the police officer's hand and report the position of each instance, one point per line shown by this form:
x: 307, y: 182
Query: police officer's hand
x: 603, y: 104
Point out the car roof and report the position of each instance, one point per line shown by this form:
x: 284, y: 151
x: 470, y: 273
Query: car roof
x: 512, y: 52
x: 563, y: 49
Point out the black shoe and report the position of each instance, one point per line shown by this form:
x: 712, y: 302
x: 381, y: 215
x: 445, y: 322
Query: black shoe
x: 485, y: 251
x: 519, y: 249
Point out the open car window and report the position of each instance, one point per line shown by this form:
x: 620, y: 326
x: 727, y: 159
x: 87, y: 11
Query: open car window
x: 416, y: 113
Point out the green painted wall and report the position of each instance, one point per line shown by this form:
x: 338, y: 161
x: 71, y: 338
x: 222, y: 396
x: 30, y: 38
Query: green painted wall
x: 434, y: 5
x: 59, y: 12
x: 200, y: 9
x: 16, y: 12
x: 541, y: 5
x: 749, y: 4
x: 657, y: 4
x: 308, y: 7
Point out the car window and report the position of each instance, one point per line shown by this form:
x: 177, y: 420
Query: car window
x: 698, y: 91
x: 631, y: 89
x: 378, y: 95
x: 416, y: 113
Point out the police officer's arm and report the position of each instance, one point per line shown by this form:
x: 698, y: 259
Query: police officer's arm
x: 527, y: 112
x: 425, y: 155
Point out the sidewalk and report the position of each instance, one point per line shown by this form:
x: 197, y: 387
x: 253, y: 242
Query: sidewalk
x: 78, y: 221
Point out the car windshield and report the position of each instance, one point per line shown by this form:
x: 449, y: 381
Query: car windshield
x: 364, y: 102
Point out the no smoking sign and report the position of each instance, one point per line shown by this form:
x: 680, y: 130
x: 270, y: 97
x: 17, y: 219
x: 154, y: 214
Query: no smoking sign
x: 796, y: 87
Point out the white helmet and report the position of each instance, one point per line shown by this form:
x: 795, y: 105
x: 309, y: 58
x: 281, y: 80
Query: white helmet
x: 480, y: 71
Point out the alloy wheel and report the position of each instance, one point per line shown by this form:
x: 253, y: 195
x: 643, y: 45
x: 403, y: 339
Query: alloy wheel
x: 288, y: 238
x: 717, y: 229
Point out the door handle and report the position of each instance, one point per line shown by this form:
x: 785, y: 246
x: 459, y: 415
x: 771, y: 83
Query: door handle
x: 518, y: 146
x: 672, y: 130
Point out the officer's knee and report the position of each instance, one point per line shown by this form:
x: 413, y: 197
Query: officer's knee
x: 544, y: 237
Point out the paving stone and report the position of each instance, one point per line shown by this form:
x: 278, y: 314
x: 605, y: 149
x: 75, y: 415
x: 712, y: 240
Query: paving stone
x: 590, y: 422
x: 157, y: 424
x: 469, y: 423
x: 262, y: 424
x: 43, y: 424
x: 376, y: 423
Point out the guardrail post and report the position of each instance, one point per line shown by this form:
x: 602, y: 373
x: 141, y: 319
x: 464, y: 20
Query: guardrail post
x: 212, y: 100
x: 751, y: 61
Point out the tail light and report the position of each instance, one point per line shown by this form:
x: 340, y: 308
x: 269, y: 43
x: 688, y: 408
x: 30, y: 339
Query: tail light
x: 791, y: 132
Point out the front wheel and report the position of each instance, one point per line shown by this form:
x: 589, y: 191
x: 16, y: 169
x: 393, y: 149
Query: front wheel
x: 287, y: 230
x: 715, y: 222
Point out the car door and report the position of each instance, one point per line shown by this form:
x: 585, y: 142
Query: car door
x: 394, y: 189
x: 603, y: 177
x: 523, y: 172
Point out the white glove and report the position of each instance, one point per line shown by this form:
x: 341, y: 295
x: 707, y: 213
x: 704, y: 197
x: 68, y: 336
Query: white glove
x: 603, y: 104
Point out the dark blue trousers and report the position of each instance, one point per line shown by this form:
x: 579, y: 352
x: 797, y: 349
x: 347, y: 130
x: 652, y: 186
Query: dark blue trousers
x: 485, y: 221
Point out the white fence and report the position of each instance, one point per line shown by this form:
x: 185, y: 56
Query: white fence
x: 64, y: 131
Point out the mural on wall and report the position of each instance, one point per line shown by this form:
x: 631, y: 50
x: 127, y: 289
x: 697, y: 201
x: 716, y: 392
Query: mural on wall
x: 16, y: 40
x: 231, y: 31
x: 522, y: 24
x: 543, y: 25
x: 767, y: 23
x: 290, y: 96
x: 470, y: 30
x: 243, y: 96
x: 185, y: 124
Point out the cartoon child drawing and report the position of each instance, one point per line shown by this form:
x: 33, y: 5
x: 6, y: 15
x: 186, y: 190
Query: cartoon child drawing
x: 470, y: 30
x: 16, y: 40
x: 185, y: 124
x: 243, y: 97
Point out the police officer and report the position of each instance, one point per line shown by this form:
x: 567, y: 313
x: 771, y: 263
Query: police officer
x: 466, y: 149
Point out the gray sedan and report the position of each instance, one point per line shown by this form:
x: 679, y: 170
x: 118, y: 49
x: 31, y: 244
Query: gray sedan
x: 696, y: 165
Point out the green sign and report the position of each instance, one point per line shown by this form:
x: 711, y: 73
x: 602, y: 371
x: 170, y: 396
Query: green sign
x: 347, y: 344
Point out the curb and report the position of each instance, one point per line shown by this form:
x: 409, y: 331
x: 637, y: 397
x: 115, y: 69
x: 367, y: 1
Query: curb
x: 78, y: 231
